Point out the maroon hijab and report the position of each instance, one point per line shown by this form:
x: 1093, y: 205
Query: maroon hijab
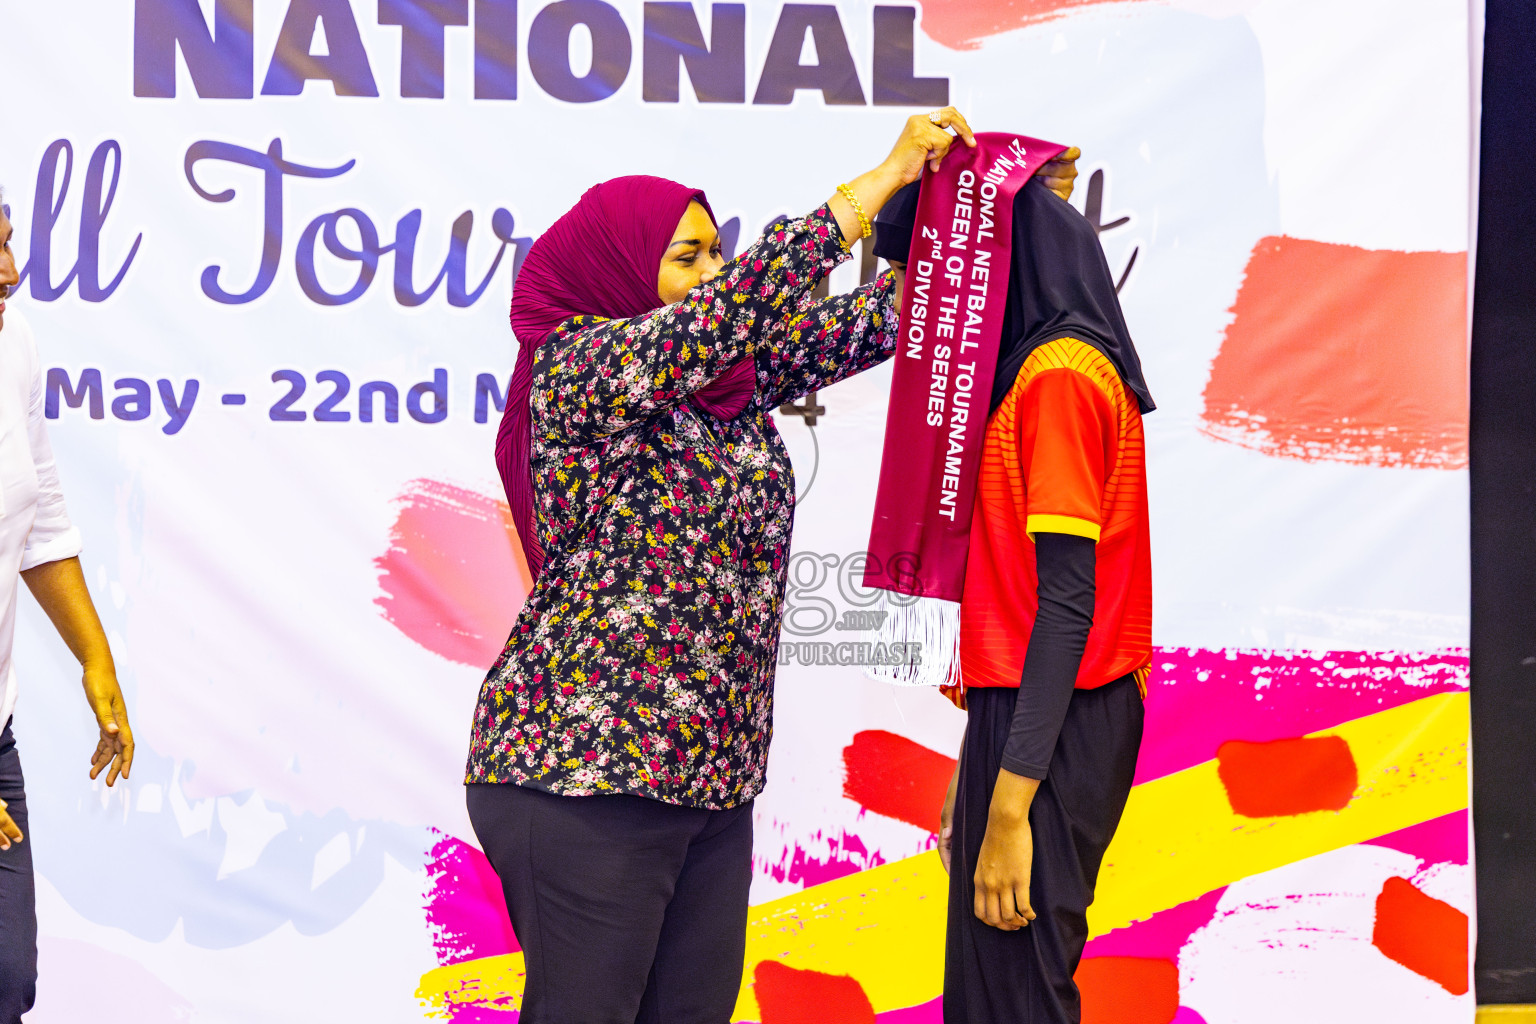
x: 600, y: 258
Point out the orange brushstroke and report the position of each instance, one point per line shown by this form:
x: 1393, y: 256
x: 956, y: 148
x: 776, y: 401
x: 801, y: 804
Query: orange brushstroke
x: 891, y: 775
x: 1128, y: 990
x: 1345, y: 354
x: 1425, y: 935
x: 1282, y: 777
x: 790, y: 996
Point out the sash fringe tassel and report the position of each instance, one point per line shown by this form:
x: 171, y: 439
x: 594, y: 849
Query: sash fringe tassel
x: 930, y: 624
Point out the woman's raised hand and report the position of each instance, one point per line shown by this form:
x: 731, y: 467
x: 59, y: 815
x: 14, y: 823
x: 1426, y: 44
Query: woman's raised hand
x: 924, y: 138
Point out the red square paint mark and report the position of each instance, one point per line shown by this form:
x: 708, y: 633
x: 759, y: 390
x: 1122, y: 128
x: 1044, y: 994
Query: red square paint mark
x: 1345, y: 354
x: 1425, y: 935
x: 789, y: 996
x: 891, y: 775
x: 1128, y: 990
x: 1267, y: 780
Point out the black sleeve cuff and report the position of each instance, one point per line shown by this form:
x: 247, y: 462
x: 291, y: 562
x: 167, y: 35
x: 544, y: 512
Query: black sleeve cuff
x: 1029, y: 771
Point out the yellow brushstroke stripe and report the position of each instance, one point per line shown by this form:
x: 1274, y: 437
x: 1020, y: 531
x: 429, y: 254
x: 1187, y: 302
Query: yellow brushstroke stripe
x: 1179, y: 839
x: 491, y: 981
x: 884, y: 926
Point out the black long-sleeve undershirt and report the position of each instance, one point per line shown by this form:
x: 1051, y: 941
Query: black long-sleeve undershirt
x: 1065, y: 565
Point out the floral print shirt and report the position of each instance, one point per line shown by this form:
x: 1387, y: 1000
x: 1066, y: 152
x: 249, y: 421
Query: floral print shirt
x: 643, y: 660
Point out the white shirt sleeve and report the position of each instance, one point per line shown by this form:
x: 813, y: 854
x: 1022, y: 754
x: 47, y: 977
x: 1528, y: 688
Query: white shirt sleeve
x: 53, y: 536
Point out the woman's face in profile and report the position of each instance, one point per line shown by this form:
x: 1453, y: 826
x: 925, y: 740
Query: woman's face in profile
x: 692, y: 258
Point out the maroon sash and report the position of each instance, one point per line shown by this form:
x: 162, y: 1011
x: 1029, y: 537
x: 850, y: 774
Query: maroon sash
x: 952, y: 312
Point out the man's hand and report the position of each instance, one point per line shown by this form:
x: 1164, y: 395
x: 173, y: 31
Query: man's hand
x: 114, y: 750
x: 60, y: 588
x: 9, y: 833
x: 1061, y: 174
x: 1007, y: 855
x: 947, y: 820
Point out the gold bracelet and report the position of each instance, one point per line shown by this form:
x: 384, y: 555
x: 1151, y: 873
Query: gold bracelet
x: 846, y: 191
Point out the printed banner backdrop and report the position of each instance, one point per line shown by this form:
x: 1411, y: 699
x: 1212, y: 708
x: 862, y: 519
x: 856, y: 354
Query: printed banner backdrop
x: 268, y: 251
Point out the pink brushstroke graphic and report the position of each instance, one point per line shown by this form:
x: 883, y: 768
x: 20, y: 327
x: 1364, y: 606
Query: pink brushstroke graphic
x: 1436, y: 841
x: 454, y: 576
x: 1161, y: 936
x: 486, y: 1015
x: 466, y: 912
x: 847, y: 855
x: 931, y: 1012
x: 1200, y: 699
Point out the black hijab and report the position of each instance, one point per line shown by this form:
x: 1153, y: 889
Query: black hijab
x: 1059, y: 284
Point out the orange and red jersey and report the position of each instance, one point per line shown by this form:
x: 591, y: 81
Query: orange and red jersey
x: 1064, y: 453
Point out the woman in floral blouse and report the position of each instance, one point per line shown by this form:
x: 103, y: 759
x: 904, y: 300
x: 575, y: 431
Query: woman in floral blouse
x: 621, y: 736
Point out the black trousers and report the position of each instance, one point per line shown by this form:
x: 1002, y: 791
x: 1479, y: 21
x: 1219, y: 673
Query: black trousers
x: 1025, y: 977
x: 629, y: 910
x: 18, y: 896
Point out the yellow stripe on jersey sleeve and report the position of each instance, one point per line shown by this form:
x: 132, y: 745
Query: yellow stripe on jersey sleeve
x: 1070, y: 525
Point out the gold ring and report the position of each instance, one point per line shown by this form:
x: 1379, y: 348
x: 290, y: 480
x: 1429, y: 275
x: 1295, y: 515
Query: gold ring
x: 934, y: 117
